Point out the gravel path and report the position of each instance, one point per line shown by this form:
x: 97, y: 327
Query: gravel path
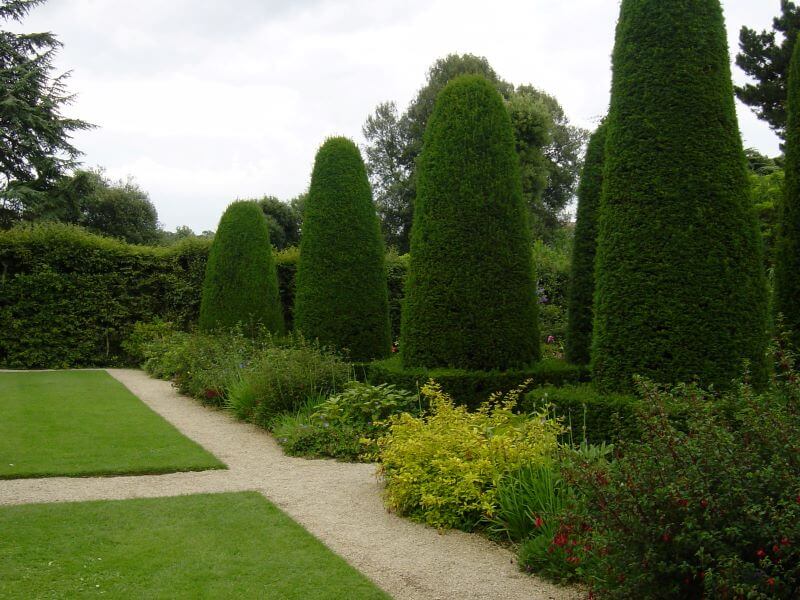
x: 340, y: 503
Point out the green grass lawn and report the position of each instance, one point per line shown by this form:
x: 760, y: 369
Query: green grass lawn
x: 205, y: 546
x: 81, y: 423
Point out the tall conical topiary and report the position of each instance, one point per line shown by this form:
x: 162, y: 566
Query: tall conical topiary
x: 787, y: 266
x: 241, y: 285
x: 680, y: 289
x: 470, y: 295
x: 341, y: 295
x: 580, y: 296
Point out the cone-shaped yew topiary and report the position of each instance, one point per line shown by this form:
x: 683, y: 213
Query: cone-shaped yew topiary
x: 241, y: 286
x: 787, y: 266
x: 470, y: 295
x: 580, y: 296
x: 680, y: 289
x: 341, y: 294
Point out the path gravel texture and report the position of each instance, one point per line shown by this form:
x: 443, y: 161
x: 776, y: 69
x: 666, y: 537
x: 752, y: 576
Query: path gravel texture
x: 339, y: 503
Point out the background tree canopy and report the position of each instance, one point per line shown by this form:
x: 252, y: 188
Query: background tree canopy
x: 549, y: 148
x: 35, y: 147
x: 765, y: 58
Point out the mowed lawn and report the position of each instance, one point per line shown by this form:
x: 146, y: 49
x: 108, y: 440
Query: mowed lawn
x: 81, y: 423
x: 234, y: 545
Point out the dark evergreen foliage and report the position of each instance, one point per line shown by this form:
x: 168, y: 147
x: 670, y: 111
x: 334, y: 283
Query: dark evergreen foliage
x: 766, y: 59
x: 470, y: 294
x: 787, y: 267
x: 241, y: 285
x: 341, y: 294
x: 580, y: 300
x: 680, y: 289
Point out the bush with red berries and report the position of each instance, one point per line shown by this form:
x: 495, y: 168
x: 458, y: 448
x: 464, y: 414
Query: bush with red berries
x: 709, y: 508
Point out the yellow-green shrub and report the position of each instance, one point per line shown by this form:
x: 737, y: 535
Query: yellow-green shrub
x: 443, y: 468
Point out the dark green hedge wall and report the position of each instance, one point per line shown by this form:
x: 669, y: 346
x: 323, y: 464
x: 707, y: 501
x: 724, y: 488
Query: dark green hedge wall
x: 241, y: 285
x: 471, y: 388
x: 580, y: 302
x: 470, y: 296
x: 680, y: 287
x: 69, y: 298
x: 787, y: 265
x: 341, y: 298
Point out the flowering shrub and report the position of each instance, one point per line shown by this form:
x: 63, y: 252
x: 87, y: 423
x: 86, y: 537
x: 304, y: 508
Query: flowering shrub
x: 709, y: 511
x: 443, y: 468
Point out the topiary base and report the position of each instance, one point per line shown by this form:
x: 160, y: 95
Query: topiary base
x: 471, y: 388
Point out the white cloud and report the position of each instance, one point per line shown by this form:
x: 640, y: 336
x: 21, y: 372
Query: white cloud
x: 203, y: 101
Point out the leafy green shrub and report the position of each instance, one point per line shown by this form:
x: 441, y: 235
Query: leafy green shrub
x: 787, y: 266
x: 204, y: 366
x: 676, y: 298
x: 241, y: 285
x: 472, y: 388
x: 341, y: 297
x: 710, y: 512
x: 470, y: 295
x: 443, y: 468
x: 69, y: 298
x: 345, y: 425
x: 396, y: 270
x: 581, y: 284
x: 301, y: 434
x: 551, y: 267
x: 281, y: 378
x: 589, y: 415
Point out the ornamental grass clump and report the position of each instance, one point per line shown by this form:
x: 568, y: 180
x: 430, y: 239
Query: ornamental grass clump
x: 443, y: 468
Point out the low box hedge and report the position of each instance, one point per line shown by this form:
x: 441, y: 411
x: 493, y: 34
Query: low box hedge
x: 471, y: 388
x: 590, y: 415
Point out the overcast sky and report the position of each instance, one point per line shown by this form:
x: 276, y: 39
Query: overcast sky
x: 206, y: 101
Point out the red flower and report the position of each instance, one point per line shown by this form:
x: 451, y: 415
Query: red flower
x: 683, y: 502
x: 666, y: 538
x: 784, y: 541
x: 760, y: 553
x: 776, y: 549
x: 573, y: 560
x: 560, y: 540
x: 771, y: 581
x: 704, y: 503
x: 538, y: 522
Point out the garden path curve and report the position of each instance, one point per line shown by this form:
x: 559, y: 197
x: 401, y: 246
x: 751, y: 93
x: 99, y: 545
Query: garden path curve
x: 339, y: 503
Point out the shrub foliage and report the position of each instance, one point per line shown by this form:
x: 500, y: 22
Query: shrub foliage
x: 241, y: 285
x: 787, y: 267
x: 680, y: 290
x: 580, y: 302
x: 341, y: 294
x: 69, y: 298
x: 470, y: 294
x: 443, y: 469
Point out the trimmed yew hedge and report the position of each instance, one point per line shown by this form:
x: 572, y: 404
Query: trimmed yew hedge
x: 341, y: 297
x: 471, y: 388
x: 580, y: 296
x: 68, y: 298
x: 470, y: 296
x: 241, y: 286
x: 787, y: 265
x: 680, y: 288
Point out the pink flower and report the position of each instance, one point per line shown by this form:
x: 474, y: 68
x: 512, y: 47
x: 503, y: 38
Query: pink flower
x: 551, y: 339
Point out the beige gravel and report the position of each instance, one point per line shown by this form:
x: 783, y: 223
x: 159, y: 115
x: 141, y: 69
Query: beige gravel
x: 340, y: 503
